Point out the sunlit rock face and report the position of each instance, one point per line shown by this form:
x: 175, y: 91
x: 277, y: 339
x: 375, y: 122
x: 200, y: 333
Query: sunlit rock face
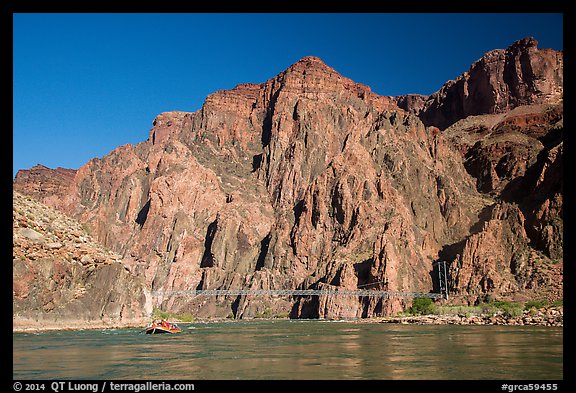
x: 310, y: 180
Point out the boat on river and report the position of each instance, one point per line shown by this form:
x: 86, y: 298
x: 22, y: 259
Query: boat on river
x: 160, y: 327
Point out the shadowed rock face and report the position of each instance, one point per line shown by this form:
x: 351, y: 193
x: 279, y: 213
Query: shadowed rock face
x: 310, y: 180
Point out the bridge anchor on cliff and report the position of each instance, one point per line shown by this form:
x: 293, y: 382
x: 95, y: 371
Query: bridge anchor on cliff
x: 442, y: 274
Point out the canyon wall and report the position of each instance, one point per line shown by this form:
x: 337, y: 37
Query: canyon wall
x: 310, y: 180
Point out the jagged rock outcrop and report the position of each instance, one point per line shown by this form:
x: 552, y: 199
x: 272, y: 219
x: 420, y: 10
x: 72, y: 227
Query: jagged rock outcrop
x: 517, y: 157
x: 310, y: 180
x: 500, y: 81
x: 63, y: 279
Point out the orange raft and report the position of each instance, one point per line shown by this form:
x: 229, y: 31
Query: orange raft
x: 158, y: 327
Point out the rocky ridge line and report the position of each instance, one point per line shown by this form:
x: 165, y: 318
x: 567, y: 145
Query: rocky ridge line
x: 501, y: 80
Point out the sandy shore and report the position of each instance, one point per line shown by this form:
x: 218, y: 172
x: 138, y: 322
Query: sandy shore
x: 34, y: 326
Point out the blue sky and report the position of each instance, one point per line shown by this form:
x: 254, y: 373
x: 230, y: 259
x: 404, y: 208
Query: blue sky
x: 85, y: 84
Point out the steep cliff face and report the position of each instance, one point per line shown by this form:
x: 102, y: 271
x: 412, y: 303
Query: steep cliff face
x: 63, y: 279
x: 310, y: 180
x: 411, y: 103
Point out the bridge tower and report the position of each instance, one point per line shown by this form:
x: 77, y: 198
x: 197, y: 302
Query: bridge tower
x: 442, y: 274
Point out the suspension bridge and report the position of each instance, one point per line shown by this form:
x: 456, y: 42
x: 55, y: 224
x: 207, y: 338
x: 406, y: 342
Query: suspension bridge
x: 293, y: 292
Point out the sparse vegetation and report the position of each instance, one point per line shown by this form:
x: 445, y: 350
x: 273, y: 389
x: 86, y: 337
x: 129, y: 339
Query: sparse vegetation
x: 558, y: 303
x: 535, y: 304
x: 425, y: 306
x: 268, y: 314
x: 457, y: 310
x: 421, y: 306
x: 508, y: 308
x: 86, y: 228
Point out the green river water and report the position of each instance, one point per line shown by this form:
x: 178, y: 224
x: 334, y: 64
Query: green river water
x: 296, y: 349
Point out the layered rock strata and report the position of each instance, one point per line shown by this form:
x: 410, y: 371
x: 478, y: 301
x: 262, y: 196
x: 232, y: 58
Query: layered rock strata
x: 43, y: 183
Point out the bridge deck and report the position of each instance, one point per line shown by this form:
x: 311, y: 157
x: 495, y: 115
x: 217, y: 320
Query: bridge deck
x: 293, y: 292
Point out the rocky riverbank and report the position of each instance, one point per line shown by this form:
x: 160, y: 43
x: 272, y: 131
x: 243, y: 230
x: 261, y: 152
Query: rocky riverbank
x: 550, y: 316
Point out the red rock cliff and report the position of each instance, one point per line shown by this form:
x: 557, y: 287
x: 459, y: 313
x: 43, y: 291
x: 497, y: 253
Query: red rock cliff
x: 500, y: 81
x: 309, y: 180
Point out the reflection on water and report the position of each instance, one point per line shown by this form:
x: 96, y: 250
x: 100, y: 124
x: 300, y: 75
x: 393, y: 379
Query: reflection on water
x: 294, y: 350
